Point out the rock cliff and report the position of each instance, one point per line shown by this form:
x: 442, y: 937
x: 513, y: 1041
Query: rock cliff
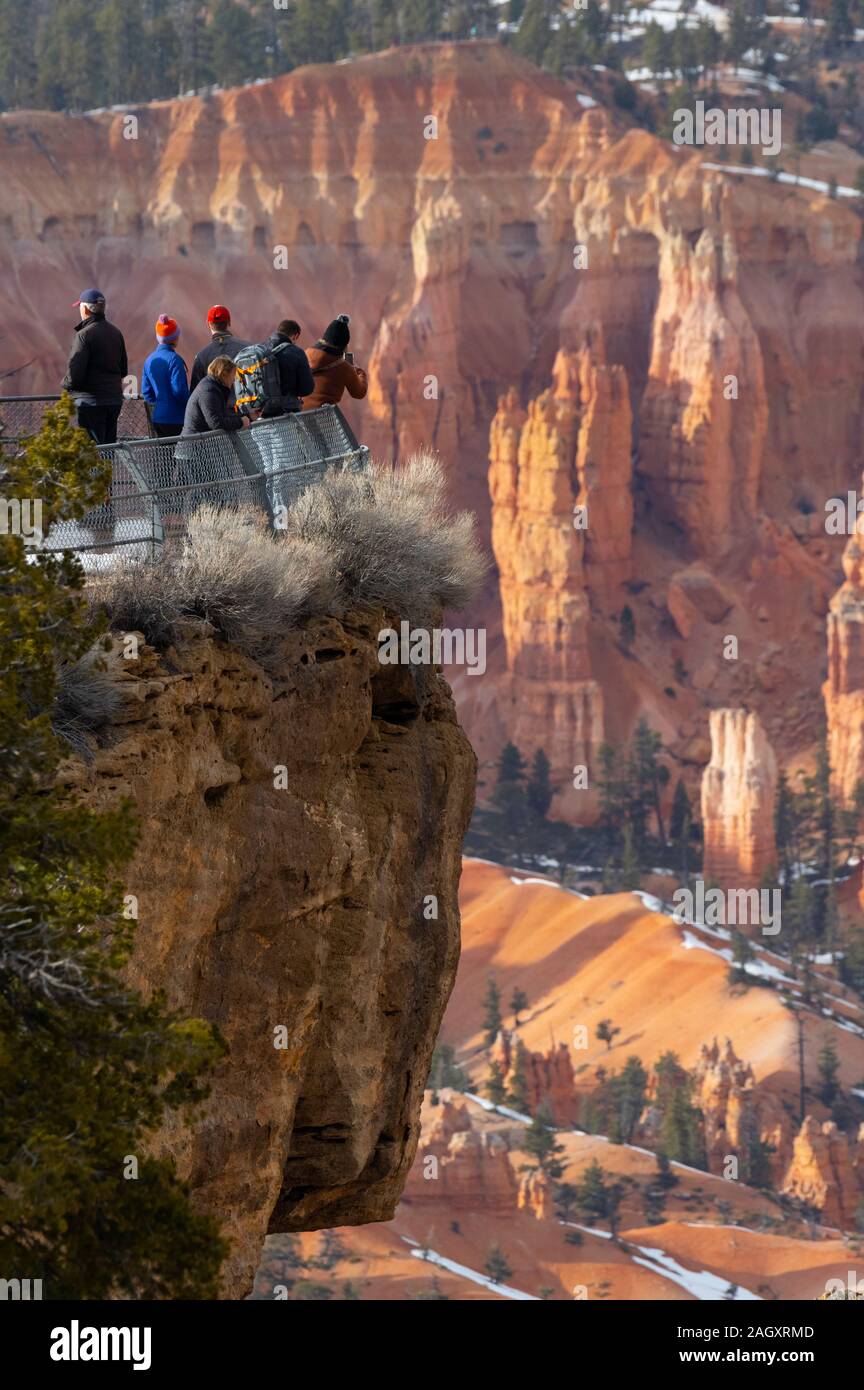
x: 295, y: 881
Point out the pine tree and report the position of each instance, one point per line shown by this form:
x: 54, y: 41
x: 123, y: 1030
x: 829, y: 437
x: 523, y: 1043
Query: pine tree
x: 614, y: 792
x: 657, y: 49
x: 742, y: 954
x: 605, y: 1032
x: 753, y: 1154
x: 797, y: 1012
x: 517, y: 1095
x: 539, y: 792
x: 784, y: 828
x: 236, y: 43
x: 592, y: 1199
x: 494, y: 1084
x: 446, y: 1071
x: 681, y: 813
x: 541, y: 1144
x: 665, y: 1177
x: 535, y: 35
x: 614, y: 1199
x: 681, y: 1130
x: 518, y: 1003
x: 627, y: 1093
x: 492, y: 1011
x: 798, y: 914
x: 88, y: 1070
x: 630, y: 873
x: 852, y: 962
x: 841, y: 27
x: 509, y: 794
x: 649, y: 777
x: 564, y: 1197
x: 828, y: 1066
x: 421, y: 20
x: 496, y: 1266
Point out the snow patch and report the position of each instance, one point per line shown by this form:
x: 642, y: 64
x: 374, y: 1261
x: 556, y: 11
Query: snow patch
x: 464, y: 1272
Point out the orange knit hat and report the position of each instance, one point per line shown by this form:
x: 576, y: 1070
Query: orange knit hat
x: 167, y: 329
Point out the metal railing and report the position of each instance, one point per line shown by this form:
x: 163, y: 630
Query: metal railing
x: 21, y: 417
x: 156, y: 484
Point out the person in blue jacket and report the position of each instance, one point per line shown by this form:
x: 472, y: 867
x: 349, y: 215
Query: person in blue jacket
x: 165, y: 383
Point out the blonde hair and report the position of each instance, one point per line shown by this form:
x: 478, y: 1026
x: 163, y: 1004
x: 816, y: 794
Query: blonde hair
x: 220, y: 367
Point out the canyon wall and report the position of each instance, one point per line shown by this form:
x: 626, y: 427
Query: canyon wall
x: 296, y: 879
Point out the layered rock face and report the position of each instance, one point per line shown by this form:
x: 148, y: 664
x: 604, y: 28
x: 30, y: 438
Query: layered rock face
x: 738, y: 792
x: 296, y: 880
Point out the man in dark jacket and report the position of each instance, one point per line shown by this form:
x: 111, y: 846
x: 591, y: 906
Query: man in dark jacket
x: 96, y: 369
x: 295, y: 376
x: 222, y: 343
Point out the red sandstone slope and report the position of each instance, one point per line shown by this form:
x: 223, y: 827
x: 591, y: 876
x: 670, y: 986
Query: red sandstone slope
x: 581, y: 961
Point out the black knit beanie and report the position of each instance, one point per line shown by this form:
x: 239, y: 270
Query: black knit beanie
x: 337, y: 333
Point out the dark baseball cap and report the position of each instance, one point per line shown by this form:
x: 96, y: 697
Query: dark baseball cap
x: 89, y: 297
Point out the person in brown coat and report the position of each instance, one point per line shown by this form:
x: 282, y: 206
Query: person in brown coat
x: 332, y: 371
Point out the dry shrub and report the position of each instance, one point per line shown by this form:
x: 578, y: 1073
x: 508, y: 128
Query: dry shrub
x: 383, y: 538
x: 85, y: 700
x: 391, y: 537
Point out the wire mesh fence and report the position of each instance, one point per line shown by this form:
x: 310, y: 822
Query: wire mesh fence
x: 21, y: 417
x: 156, y: 484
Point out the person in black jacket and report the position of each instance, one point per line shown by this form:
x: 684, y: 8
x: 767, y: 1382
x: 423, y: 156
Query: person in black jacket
x: 295, y: 375
x: 210, y: 407
x: 96, y: 369
x: 222, y: 343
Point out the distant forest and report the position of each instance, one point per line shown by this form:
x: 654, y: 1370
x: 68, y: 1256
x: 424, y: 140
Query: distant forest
x: 78, y: 55
x: 81, y: 54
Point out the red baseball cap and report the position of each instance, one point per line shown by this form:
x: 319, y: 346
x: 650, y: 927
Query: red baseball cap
x: 219, y: 314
